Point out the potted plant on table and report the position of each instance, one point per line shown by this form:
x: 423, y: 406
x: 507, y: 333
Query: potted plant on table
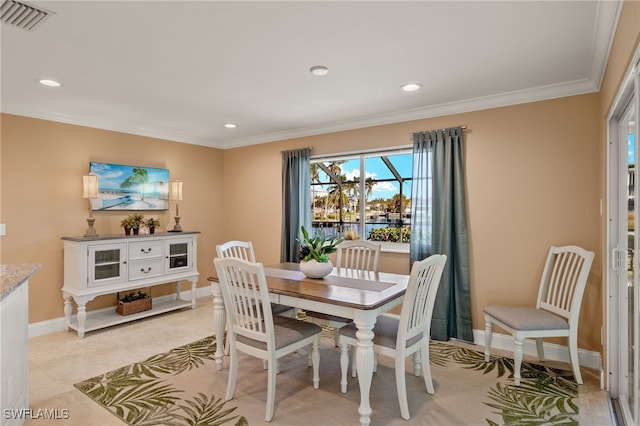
x: 314, y: 251
x: 132, y: 222
x: 152, y: 224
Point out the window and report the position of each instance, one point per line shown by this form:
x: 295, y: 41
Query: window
x: 342, y: 200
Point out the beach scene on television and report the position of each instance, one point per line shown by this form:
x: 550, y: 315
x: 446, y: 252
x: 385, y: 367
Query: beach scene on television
x: 122, y: 187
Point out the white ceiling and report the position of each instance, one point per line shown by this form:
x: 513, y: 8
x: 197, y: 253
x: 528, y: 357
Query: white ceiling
x: 179, y: 70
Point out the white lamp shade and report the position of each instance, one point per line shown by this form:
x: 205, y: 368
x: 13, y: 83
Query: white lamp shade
x: 90, y: 186
x: 176, y: 191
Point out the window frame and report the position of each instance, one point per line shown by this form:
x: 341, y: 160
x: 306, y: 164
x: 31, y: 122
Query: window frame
x: 391, y: 247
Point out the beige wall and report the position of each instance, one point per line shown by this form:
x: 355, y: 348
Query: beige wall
x: 535, y: 176
x: 42, y: 166
x: 531, y: 174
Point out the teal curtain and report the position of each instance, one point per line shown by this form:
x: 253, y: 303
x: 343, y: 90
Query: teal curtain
x: 296, y: 200
x: 439, y: 225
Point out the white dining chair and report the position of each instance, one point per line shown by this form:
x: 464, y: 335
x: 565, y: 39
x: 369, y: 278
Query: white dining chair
x: 254, y: 330
x: 244, y: 250
x: 361, y: 255
x: 557, y: 309
x: 408, y: 334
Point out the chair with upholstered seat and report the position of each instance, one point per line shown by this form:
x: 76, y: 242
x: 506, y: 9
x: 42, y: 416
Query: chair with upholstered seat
x: 254, y: 330
x: 408, y: 334
x: 361, y: 255
x: 557, y: 309
x: 244, y: 250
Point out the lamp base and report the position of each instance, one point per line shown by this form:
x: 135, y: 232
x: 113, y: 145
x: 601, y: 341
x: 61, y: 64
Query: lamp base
x: 91, y: 232
x: 177, y: 227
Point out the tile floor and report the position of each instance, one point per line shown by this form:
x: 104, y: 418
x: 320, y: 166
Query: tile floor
x: 58, y: 360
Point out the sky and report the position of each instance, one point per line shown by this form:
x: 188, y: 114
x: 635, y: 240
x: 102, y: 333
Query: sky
x: 378, y: 170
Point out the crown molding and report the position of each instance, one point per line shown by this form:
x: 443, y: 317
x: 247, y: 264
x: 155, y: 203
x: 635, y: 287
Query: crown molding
x: 488, y: 102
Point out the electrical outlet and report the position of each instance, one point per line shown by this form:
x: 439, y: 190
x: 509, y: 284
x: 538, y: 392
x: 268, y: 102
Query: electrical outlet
x: 3, y: 229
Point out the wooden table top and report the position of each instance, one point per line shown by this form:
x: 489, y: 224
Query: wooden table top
x: 343, y: 287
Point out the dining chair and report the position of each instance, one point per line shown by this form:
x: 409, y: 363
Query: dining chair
x: 557, y: 309
x: 408, y: 334
x: 244, y: 250
x: 361, y: 255
x: 254, y: 330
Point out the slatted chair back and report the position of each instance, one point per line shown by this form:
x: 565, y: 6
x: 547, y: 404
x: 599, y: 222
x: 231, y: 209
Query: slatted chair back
x: 362, y: 255
x: 245, y: 291
x: 563, y: 281
x: 239, y: 249
x: 419, y: 299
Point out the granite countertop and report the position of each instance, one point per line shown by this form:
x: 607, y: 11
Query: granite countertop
x: 12, y: 276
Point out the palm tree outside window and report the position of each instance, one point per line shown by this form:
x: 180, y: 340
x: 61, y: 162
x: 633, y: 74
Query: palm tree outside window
x: 342, y: 200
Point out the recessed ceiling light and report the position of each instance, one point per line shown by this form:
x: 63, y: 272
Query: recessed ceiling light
x: 411, y: 87
x: 230, y: 125
x: 50, y: 83
x: 319, y: 70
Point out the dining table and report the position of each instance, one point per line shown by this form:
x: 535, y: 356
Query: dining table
x: 358, y: 295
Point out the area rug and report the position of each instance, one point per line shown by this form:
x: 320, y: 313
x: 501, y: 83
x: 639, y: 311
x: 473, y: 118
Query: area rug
x: 182, y: 387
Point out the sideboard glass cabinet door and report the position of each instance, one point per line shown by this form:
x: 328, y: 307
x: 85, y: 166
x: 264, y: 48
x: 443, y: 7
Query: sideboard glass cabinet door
x: 106, y: 264
x: 180, y: 255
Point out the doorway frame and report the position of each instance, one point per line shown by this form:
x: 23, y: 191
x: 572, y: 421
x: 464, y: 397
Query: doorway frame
x: 629, y: 89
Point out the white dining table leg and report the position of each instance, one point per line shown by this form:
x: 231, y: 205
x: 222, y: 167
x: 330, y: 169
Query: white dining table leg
x: 219, y: 320
x: 365, y: 362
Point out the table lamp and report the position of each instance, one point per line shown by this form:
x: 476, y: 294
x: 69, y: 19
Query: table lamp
x: 90, y: 190
x: 176, y: 195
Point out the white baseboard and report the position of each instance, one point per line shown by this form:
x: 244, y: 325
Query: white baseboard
x: 57, y: 324
x: 552, y: 351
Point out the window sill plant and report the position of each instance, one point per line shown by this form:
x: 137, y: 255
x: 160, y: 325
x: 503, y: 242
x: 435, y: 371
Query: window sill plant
x: 314, y: 251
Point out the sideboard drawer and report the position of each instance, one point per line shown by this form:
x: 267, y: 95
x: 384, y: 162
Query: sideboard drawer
x: 146, y: 268
x: 146, y: 249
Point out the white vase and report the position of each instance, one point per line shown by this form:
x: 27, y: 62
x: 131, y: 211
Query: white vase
x: 314, y: 269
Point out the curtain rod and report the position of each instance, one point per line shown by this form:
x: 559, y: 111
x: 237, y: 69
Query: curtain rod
x: 296, y: 149
x: 463, y: 127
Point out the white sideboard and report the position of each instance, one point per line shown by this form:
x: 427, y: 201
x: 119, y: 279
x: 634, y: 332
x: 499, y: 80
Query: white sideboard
x: 94, y: 266
x: 14, y: 342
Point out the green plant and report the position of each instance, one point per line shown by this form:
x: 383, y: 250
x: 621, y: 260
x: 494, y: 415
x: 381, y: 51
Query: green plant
x: 134, y: 296
x: 133, y: 221
x: 390, y: 234
x: 152, y: 223
x: 317, y: 247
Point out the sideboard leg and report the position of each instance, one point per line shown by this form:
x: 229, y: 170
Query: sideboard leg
x: 193, y: 293
x: 178, y: 289
x: 68, y: 309
x: 82, y: 317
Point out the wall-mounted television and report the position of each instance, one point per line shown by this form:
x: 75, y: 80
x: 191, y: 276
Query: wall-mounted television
x: 122, y: 187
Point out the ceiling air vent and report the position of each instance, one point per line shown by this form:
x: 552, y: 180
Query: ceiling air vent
x: 22, y: 15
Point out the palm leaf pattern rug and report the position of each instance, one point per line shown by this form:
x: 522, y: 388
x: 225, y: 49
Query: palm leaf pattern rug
x: 139, y: 393
x: 159, y: 390
x: 546, y: 396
